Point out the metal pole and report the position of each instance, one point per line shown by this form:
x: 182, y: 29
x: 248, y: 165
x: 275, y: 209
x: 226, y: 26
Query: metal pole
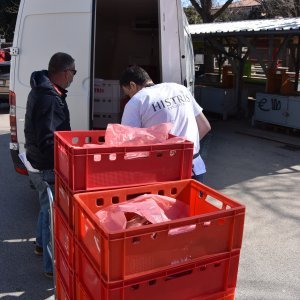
x: 50, y: 248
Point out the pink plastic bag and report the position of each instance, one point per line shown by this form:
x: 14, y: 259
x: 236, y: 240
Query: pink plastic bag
x: 143, y: 210
x: 121, y: 135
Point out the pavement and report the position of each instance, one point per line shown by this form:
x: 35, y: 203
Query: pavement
x: 260, y: 170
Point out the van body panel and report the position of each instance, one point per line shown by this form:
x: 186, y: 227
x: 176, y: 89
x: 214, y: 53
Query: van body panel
x: 47, y: 27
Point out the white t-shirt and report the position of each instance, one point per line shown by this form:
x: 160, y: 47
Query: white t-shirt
x: 163, y: 103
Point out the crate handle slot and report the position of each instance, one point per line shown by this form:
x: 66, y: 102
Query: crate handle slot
x: 206, y: 224
x: 161, y: 192
x: 152, y: 282
x: 217, y: 203
x: 154, y: 236
x: 115, y: 200
x: 172, y: 153
x: 182, y: 229
x: 75, y: 140
x: 159, y: 154
x: 136, y: 240
x: 135, y: 286
x: 174, y: 191
x: 99, y: 201
x: 101, y: 139
x: 136, y: 155
x: 97, y: 157
x: 113, y: 156
x: 88, y: 139
x: 178, y: 275
x: 202, y: 268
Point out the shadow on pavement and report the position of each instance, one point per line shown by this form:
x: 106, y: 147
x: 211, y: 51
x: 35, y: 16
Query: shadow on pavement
x: 233, y: 158
x: 260, y: 173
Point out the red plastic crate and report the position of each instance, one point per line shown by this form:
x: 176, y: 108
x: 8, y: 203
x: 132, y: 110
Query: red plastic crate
x: 61, y: 292
x: 80, y: 292
x: 64, y: 200
x: 95, y: 168
x: 134, y: 252
x: 210, y: 279
x: 64, y: 236
x: 64, y: 270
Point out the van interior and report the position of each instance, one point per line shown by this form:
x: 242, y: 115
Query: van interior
x: 126, y: 33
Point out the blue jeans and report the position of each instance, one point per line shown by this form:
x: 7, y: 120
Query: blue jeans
x: 41, y: 181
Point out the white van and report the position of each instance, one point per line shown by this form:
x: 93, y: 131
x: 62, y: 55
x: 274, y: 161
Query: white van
x: 104, y: 37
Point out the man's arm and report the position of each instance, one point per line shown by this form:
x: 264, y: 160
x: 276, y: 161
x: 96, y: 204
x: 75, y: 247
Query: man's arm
x: 203, y: 125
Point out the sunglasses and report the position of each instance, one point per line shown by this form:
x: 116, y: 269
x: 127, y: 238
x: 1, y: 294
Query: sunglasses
x: 72, y: 71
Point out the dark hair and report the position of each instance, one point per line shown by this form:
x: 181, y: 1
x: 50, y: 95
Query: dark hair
x: 136, y: 74
x: 59, y: 62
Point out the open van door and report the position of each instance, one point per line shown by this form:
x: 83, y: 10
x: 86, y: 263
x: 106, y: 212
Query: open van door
x: 44, y: 28
x: 175, y: 45
x: 188, y: 64
x: 170, y: 53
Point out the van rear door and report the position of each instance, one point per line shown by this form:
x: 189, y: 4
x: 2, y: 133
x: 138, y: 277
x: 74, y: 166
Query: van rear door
x: 170, y: 55
x: 188, y: 64
x: 44, y: 28
x: 177, y: 58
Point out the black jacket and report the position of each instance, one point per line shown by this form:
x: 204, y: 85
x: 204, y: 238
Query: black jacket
x: 46, y: 112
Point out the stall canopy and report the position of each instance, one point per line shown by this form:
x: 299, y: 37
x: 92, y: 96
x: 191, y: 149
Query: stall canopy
x: 253, y: 27
x: 237, y: 41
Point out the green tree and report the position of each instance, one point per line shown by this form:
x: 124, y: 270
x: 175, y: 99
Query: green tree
x: 192, y: 15
x: 204, y: 9
x: 8, y: 16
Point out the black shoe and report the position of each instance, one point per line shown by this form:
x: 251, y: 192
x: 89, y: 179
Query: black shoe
x: 38, y: 250
x: 48, y: 274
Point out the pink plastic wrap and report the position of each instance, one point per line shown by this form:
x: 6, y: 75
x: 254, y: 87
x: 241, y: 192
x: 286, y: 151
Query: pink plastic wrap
x: 143, y: 210
x: 121, y: 135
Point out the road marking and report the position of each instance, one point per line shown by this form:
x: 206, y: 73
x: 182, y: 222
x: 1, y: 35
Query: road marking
x: 18, y: 241
x: 16, y: 294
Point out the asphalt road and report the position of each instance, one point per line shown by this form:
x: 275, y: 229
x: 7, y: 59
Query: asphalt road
x: 20, y: 270
x: 262, y: 174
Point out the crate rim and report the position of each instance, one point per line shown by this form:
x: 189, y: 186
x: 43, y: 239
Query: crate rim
x: 168, y: 225
x: 164, y: 271
x: 115, y: 149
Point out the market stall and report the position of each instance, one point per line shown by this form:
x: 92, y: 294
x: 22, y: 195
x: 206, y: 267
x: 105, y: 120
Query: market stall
x: 251, y: 59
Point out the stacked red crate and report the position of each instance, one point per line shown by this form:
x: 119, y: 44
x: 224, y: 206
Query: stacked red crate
x: 83, y: 164
x: 153, y: 262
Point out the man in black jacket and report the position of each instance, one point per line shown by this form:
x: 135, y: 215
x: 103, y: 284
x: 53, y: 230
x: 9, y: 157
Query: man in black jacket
x: 46, y: 112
